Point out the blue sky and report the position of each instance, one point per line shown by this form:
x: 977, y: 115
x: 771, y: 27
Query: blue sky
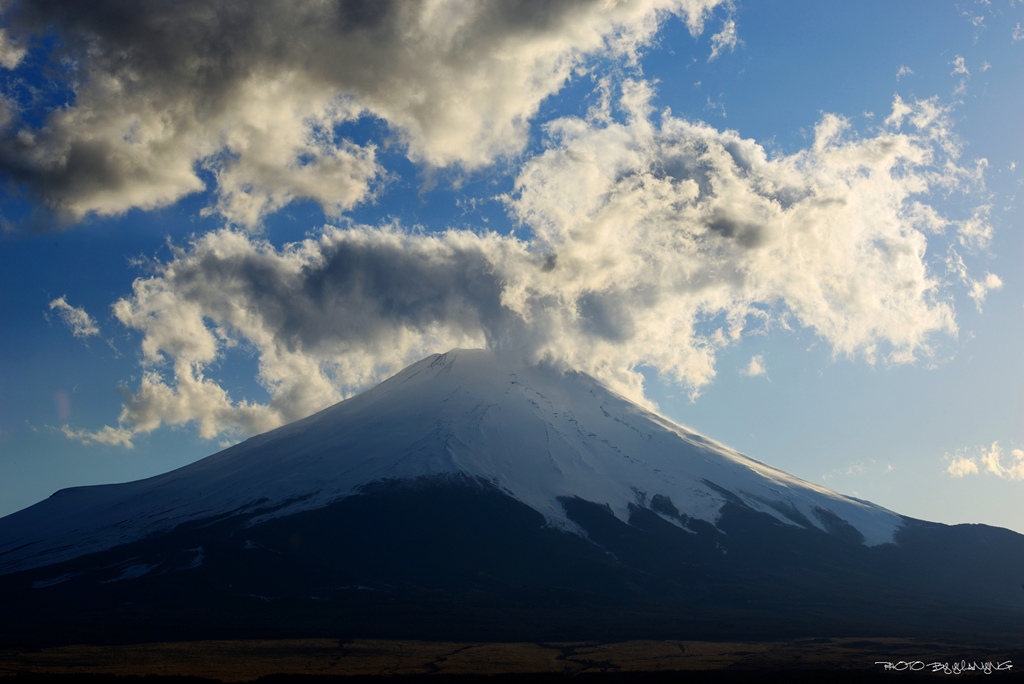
x: 790, y: 226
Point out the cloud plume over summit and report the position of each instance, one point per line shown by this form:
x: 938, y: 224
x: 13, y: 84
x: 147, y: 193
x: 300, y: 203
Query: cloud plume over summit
x: 653, y: 241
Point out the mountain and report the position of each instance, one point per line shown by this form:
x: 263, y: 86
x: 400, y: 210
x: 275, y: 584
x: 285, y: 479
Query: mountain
x: 471, y: 494
x: 535, y: 433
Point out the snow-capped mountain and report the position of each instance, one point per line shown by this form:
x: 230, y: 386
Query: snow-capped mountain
x: 536, y: 433
x: 472, y: 494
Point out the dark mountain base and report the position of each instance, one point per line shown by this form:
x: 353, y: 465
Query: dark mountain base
x: 448, y: 560
x: 713, y: 677
x: 369, y: 660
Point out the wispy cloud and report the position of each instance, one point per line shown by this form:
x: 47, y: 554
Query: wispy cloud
x: 858, y: 469
x: 714, y: 106
x: 726, y: 39
x: 106, y: 435
x: 960, y: 69
x: 978, y: 289
x: 80, y: 323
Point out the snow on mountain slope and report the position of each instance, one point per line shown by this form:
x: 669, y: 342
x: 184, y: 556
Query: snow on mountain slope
x: 536, y: 433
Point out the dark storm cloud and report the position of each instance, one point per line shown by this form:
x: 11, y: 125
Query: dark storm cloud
x: 254, y: 92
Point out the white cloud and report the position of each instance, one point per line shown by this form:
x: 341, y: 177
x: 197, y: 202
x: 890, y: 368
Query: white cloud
x: 990, y: 459
x: 981, y: 288
x: 78, y: 321
x: 904, y: 71
x: 859, y: 469
x: 993, y: 462
x: 977, y: 289
x: 976, y: 232
x: 653, y: 241
x: 324, y: 317
x: 900, y: 111
x: 726, y: 39
x: 106, y: 435
x: 290, y: 153
x: 960, y: 69
x: 723, y: 227
x: 11, y: 50
x: 1016, y: 469
x: 8, y: 111
x: 1018, y: 32
x: 716, y: 106
x: 960, y: 466
x: 756, y: 367
x: 268, y: 95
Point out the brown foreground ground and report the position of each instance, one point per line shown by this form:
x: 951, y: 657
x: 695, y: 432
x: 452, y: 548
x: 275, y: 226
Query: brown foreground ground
x: 245, y: 661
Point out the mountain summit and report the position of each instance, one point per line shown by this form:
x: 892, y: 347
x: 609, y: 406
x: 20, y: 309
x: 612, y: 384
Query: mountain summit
x: 469, y: 487
x: 537, y: 433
